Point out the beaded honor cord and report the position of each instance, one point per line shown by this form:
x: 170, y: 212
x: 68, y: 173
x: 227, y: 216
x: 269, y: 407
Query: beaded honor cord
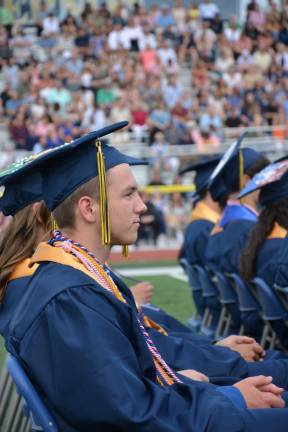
x: 165, y: 375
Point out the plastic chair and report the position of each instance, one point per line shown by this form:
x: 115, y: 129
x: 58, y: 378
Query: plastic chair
x: 252, y: 323
x: 213, y: 306
x: 230, y: 318
x: 282, y: 294
x: 272, y: 310
x: 33, y: 406
x: 196, y: 291
x: 246, y: 299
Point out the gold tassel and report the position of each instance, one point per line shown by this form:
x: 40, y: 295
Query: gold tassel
x: 103, y: 197
x: 241, y: 170
x: 53, y: 223
x: 125, y: 251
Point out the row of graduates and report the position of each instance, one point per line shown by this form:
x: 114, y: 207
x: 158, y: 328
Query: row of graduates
x: 228, y: 233
x: 98, y: 361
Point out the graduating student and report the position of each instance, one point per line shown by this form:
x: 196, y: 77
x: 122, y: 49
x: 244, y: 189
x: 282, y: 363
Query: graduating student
x: 206, y: 213
x: 264, y: 254
x: 225, y: 243
x: 209, y: 204
x: 77, y: 330
x: 229, y: 236
x: 27, y: 228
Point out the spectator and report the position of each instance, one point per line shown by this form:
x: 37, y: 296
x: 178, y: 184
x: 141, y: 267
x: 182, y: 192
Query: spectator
x: 161, y: 161
x: 208, y: 10
x: 165, y: 18
x: 205, y: 140
x: 172, y: 91
x: 50, y: 25
x: 159, y: 119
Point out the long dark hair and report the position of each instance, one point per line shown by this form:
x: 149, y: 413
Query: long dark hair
x: 276, y: 212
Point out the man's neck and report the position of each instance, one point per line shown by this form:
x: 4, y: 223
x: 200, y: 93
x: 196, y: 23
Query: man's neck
x: 248, y: 200
x: 91, y: 243
x: 213, y: 205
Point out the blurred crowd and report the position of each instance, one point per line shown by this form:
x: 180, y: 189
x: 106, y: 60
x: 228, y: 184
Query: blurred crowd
x: 178, y: 74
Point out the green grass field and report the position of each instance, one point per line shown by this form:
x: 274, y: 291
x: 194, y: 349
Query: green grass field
x: 170, y: 294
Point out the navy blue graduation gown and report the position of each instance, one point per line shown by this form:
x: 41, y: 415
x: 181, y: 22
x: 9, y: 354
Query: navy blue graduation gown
x: 271, y: 266
x: 195, y: 240
x: 84, y: 351
x: 269, y: 259
x: 173, y: 326
x: 222, y: 255
x: 181, y: 350
x: 280, y: 272
x: 223, y: 248
x: 197, y: 233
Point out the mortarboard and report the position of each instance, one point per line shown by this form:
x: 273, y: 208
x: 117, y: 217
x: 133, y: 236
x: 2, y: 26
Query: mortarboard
x: 203, y: 170
x: 67, y: 167
x: 234, y: 164
x: 19, y: 193
x: 272, y: 182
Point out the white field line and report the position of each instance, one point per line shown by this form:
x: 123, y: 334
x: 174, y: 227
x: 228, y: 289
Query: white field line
x: 175, y: 272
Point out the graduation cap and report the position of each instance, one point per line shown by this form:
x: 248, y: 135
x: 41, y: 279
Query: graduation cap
x: 272, y: 182
x: 234, y: 164
x: 67, y: 167
x: 203, y: 170
x: 19, y: 193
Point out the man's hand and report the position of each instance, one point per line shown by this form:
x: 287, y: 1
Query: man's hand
x: 142, y: 293
x: 194, y: 375
x: 260, y: 392
x: 247, y: 347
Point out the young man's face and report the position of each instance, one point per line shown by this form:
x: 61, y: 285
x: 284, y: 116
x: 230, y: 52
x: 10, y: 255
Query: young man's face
x: 125, y: 205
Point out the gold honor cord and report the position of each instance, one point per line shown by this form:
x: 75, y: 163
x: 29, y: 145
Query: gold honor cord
x: 103, y: 197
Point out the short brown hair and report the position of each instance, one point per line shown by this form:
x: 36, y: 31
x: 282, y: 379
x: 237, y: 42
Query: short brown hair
x: 64, y: 214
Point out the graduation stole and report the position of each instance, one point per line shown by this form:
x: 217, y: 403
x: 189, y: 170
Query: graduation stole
x: 164, y: 374
x: 277, y: 232
x: 202, y: 211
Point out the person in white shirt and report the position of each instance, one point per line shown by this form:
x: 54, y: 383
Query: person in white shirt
x: 50, y: 24
x: 208, y: 10
x: 114, y: 38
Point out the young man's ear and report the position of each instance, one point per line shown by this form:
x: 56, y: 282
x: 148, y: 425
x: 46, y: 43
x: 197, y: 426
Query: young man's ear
x: 88, y: 208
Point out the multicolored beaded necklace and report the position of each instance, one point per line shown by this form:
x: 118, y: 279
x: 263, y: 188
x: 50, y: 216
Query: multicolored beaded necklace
x: 165, y: 375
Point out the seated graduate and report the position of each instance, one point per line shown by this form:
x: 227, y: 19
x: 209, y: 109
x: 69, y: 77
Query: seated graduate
x: 230, y: 234
x: 77, y: 331
x: 229, y: 237
x: 32, y: 221
x: 264, y: 252
x: 208, y: 205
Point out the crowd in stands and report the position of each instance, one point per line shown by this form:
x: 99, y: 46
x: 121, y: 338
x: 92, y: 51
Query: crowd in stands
x: 74, y: 74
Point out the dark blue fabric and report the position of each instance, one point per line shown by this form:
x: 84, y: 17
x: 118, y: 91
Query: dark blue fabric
x: 222, y: 255
x: 78, y: 339
x: 269, y: 257
x: 271, y: 266
x: 195, y: 239
x: 18, y: 194
x: 113, y: 385
x: 223, y: 249
x: 234, y: 212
